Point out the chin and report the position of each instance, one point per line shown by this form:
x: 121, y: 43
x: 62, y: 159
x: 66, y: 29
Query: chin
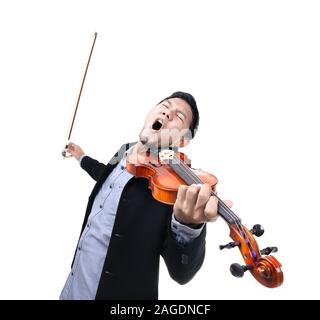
x: 148, y: 138
x: 153, y: 139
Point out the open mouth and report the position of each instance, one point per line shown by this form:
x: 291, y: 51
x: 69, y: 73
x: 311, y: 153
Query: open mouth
x: 157, y: 125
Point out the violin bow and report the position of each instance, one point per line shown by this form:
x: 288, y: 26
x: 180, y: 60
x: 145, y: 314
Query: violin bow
x: 64, y: 152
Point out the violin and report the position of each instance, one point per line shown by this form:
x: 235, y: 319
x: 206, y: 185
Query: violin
x: 168, y: 170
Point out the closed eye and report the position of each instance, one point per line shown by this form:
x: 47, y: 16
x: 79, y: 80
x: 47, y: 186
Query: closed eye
x: 180, y: 118
x: 179, y: 115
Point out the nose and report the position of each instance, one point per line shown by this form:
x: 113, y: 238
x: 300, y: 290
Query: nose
x: 168, y: 114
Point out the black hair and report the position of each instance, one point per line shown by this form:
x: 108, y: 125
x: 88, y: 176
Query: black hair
x: 190, y: 100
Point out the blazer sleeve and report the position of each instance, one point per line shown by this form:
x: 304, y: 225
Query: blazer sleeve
x: 183, y: 261
x: 93, y: 167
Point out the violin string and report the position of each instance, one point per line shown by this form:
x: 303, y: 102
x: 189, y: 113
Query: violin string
x: 196, y: 179
x: 191, y: 175
x: 236, y: 219
x: 227, y: 210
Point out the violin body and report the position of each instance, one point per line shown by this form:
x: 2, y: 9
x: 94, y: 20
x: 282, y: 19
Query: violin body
x: 163, y: 181
x: 167, y: 171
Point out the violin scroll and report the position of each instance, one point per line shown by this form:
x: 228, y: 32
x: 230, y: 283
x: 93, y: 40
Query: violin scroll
x: 266, y: 270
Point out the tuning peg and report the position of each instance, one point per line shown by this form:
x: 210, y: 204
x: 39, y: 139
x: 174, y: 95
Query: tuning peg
x: 257, y: 230
x: 229, y: 245
x: 238, y: 270
x: 266, y: 251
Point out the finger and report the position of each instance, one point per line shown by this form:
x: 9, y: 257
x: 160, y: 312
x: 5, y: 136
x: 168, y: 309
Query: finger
x: 229, y: 203
x: 70, y: 146
x: 203, y: 196
x: 211, y: 209
x: 181, y: 195
x: 68, y: 155
x: 212, y: 219
x: 192, y: 194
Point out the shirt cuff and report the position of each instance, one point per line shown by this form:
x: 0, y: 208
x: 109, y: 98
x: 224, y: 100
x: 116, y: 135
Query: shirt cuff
x: 184, y: 234
x: 81, y: 158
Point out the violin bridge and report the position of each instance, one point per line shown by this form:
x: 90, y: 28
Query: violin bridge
x: 166, y: 155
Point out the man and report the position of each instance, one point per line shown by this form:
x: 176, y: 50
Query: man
x: 125, y: 230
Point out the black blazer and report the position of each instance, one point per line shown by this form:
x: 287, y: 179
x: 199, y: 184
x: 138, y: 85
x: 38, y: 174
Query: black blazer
x: 141, y: 233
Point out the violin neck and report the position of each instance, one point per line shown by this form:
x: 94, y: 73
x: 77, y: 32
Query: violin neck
x: 185, y: 173
x: 227, y: 214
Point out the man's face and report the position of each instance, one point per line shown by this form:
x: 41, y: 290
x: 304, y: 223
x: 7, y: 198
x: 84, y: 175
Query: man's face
x: 167, y: 124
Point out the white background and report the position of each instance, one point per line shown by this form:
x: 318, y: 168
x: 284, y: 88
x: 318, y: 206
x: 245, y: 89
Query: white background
x: 253, y: 67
